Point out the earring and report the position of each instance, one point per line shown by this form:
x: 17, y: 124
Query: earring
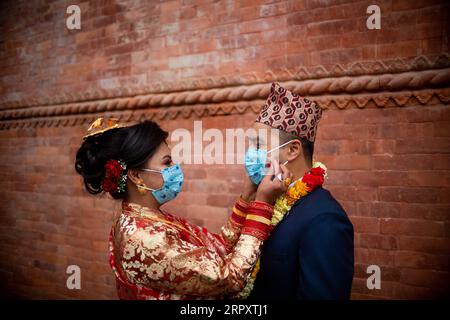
x: 140, y: 189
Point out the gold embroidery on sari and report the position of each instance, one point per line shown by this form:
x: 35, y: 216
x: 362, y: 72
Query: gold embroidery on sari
x: 152, y: 253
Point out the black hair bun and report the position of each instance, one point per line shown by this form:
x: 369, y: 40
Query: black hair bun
x: 90, y: 164
x: 134, y: 145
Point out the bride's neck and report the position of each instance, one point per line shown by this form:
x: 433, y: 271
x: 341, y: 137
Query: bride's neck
x: 146, y: 200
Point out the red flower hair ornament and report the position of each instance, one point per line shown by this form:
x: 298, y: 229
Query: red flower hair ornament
x: 115, y: 176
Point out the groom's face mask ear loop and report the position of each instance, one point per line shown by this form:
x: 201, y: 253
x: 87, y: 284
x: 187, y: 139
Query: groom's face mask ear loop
x: 256, y: 160
x: 284, y: 144
x: 284, y: 163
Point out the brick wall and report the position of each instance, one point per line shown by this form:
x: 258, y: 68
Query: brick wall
x: 384, y: 135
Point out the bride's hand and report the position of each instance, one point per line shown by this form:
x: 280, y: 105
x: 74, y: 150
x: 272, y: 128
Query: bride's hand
x: 250, y: 188
x: 274, y: 183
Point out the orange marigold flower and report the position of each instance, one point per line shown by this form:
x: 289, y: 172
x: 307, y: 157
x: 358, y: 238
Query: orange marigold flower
x: 298, y: 190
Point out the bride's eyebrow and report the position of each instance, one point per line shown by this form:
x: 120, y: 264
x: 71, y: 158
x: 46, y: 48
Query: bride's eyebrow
x: 167, y: 157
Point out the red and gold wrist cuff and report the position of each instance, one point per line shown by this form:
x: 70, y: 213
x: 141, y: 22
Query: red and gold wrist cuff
x: 237, y: 218
x: 242, y: 203
x: 258, y: 220
x: 259, y: 205
x: 239, y: 213
x: 261, y: 231
x: 261, y: 235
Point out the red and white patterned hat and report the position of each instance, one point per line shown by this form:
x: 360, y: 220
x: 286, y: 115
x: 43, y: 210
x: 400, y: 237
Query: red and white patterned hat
x: 287, y: 111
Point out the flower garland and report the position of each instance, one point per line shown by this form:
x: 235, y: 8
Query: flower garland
x: 310, y: 181
x: 115, y: 176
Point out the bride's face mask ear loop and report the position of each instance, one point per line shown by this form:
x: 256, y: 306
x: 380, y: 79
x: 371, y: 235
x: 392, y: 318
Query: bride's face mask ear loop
x: 141, y: 187
x: 173, y: 181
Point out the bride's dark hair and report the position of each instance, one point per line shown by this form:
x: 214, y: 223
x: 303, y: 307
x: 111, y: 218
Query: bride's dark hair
x: 134, y: 145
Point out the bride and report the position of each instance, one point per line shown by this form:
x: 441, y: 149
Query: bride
x: 156, y: 254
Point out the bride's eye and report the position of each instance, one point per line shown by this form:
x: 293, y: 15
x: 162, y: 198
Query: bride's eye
x: 168, y: 162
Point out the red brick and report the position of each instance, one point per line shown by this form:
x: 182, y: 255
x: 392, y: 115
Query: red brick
x: 366, y: 224
x: 221, y: 200
x: 300, y: 18
x: 408, y: 194
x: 405, y: 4
x: 375, y: 241
x: 365, y: 194
x: 403, y: 162
x: 374, y: 257
x: 434, y: 145
x: 403, y: 291
x: 323, y: 42
x: 412, y: 227
x: 380, y: 209
x: 388, y: 166
x: 421, y: 260
x: 424, y: 244
x: 330, y: 57
x: 390, y: 51
x: 433, y: 211
x: 261, y: 24
x: 355, y: 162
x: 426, y: 278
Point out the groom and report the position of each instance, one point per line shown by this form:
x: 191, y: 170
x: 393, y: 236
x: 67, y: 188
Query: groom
x: 309, y: 254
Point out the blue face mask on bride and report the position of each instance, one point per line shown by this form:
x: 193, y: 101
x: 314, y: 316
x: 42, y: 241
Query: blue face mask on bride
x: 255, y: 162
x: 173, y: 181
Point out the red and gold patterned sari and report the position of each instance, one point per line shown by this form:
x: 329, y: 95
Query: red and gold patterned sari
x: 159, y: 256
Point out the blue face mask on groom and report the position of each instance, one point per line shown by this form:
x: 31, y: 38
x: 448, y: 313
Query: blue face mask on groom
x: 255, y: 162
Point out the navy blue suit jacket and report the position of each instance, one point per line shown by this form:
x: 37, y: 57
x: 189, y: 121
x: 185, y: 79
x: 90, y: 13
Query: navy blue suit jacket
x: 309, y: 255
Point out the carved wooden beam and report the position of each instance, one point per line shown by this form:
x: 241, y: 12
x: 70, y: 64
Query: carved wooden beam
x: 195, y: 111
x: 356, y: 69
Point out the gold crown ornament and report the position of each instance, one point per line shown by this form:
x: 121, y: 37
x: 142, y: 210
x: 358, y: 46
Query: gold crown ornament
x: 102, y: 125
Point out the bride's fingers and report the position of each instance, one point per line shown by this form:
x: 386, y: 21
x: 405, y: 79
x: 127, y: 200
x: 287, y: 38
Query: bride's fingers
x: 270, y: 171
x: 276, y: 167
x: 278, y: 173
x: 285, y: 172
